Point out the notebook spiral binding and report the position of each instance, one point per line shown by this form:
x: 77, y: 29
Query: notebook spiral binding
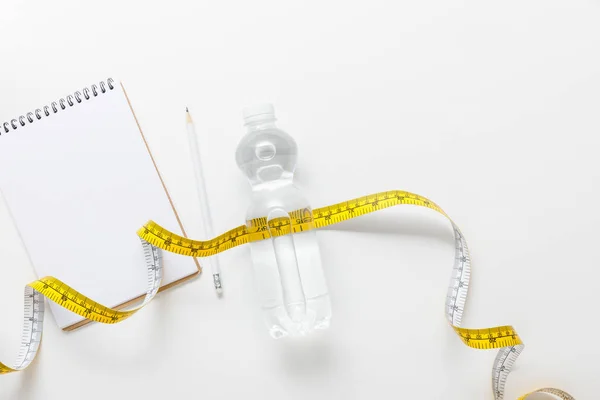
x: 54, y: 107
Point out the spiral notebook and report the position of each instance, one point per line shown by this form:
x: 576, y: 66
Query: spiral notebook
x: 79, y: 180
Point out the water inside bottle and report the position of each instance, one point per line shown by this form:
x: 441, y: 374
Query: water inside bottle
x: 288, y: 272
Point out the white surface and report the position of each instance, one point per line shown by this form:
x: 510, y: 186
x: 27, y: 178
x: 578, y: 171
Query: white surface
x: 489, y: 109
x: 78, y: 184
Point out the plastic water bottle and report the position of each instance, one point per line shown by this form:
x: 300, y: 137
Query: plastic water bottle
x: 287, y: 269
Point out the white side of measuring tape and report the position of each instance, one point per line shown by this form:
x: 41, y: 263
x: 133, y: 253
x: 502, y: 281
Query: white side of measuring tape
x: 33, y: 323
x: 455, y: 307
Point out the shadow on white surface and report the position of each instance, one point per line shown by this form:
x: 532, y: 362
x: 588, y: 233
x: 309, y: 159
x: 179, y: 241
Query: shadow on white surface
x: 307, y: 356
x: 27, y: 389
x: 410, y: 221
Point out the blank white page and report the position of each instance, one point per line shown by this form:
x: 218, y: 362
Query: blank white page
x: 79, y: 184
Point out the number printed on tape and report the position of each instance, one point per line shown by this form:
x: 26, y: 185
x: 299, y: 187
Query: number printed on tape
x: 155, y: 238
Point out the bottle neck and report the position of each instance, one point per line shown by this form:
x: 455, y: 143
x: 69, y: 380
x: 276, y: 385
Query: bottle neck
x: 260, y: 122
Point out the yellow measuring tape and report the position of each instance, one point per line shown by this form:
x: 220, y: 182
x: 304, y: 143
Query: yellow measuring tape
x: 154, y: 237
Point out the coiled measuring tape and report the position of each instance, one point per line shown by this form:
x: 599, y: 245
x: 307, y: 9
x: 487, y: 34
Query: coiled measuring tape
x: 154, y: 238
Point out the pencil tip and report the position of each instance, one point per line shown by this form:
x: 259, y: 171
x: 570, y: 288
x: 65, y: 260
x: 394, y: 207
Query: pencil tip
x: 186, y: 110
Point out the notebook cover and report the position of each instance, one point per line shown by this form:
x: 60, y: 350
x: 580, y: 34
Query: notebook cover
x: 77, y: 200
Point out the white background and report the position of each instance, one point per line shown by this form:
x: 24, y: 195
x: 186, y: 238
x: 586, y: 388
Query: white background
x: 491, y: 109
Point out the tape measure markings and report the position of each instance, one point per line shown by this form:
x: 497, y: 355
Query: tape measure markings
x: 154, y: 237
x: 551, y: 391
x: 302, y: 220
x: 67, y: 297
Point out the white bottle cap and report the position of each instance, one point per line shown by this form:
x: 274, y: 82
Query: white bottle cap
x: 258, y: 112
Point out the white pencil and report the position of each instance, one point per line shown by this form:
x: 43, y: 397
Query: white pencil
x: 206, y: 221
